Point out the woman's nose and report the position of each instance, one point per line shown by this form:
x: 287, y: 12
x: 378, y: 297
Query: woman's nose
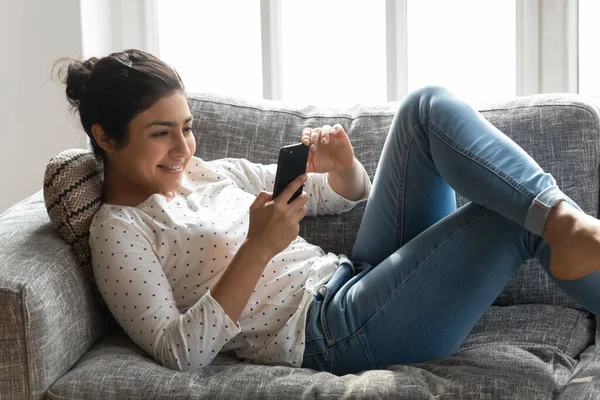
x: 181, y: 147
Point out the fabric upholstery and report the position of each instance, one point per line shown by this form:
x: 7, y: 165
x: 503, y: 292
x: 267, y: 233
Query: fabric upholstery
x: 584, y: 383
x: 533, y: 360
x: 48, y: 316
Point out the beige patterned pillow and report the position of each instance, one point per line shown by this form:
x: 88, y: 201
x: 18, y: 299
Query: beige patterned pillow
x: 73, y: 185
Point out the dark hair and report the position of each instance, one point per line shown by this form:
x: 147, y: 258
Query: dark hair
x: 113, y: 90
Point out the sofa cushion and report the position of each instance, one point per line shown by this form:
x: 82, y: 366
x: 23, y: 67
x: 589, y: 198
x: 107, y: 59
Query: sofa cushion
x: 73, y: 193
x: 524, y: 352
x: 585, y: 380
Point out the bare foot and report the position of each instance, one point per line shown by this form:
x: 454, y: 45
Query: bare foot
x: 574, y: 240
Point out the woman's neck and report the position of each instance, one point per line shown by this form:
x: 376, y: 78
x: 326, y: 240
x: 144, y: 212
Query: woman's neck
x: 120, y: 193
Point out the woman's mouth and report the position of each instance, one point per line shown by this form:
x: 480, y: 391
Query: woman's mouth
x: 174, y: 169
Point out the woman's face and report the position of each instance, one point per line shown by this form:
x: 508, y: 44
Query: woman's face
x: 160, y: 146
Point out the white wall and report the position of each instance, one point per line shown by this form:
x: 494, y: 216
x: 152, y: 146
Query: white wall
x: 34, y: 122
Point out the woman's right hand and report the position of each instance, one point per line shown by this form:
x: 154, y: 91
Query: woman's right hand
x: 275, y: 223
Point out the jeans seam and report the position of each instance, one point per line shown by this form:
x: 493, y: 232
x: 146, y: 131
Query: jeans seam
x: 366, y: 348
x: 324, y: 321
x: 469, y: 155
x: 315, y: 352
x: 423, y: 262
x: 400, y: 200
x: 312, y: 339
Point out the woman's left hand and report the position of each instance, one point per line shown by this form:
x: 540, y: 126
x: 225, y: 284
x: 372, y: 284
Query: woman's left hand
x: 330, y: 149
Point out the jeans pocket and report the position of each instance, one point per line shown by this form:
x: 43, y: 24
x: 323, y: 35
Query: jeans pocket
x: 344, y: 272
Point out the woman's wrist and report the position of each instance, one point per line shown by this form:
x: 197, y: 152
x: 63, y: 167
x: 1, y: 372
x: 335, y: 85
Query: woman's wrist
x: 348, y: 183
x: 255, y: 251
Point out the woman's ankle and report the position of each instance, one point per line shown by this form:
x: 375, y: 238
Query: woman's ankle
x: 560, y: 222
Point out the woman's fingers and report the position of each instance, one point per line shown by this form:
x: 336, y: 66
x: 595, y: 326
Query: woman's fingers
x: 290, y: 189
x: 311, y: 137
x: 299, y: 214
x: 306, y: 136
x: 314, y: 138
x: 325, y: 134
x: 261, y: 199
x: 299, y: 206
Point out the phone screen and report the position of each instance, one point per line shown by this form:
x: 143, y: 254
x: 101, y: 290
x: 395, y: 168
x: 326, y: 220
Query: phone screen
x: 290, y: 165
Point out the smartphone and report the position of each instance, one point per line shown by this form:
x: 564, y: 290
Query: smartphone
x: 290, y: 165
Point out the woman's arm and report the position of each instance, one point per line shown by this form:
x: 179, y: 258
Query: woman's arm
x: 139, y: 296
x: 234, y: 288
x: 349, y: 183
x: 272, y: 227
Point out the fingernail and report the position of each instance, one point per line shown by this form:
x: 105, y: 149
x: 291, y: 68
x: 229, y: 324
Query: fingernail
x: 313, y: 147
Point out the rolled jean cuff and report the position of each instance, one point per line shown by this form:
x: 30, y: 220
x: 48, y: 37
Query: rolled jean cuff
x: 535, y: 220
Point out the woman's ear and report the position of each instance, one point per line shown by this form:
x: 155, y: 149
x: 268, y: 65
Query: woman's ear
x: 102, y: 139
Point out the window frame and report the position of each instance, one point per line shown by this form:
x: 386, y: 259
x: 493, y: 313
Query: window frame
x: 547, y: 44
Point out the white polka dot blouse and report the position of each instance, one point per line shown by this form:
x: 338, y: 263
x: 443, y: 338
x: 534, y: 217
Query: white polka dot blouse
x: 156, y: 263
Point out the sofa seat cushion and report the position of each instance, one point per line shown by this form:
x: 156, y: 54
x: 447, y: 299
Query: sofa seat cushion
x: 585, y: 380
x: 523, y: 351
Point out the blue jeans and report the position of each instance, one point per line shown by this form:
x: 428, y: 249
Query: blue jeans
x: 422, y: 273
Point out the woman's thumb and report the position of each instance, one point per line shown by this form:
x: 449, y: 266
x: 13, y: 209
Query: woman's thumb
x: 261, y: 199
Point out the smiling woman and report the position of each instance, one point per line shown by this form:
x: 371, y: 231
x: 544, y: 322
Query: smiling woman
x: 134, y: 109
x: 160, y: 145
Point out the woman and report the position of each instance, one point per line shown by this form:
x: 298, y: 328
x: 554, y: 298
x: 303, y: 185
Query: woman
x: 194, y: 258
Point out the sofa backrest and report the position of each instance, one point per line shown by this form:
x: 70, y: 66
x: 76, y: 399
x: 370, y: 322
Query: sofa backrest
x: 562, y: 132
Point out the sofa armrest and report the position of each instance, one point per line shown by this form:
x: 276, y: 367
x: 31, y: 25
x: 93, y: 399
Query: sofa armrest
x: 48, y: 315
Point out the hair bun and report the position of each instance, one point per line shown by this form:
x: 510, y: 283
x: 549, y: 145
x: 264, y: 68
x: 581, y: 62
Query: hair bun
x: 78, y: 75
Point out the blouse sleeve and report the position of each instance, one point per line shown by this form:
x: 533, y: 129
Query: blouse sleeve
x: 248, y: 176
x: 322, y: 199
x: 135, y: 289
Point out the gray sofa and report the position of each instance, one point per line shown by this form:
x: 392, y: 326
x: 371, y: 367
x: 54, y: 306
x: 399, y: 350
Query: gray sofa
x: 57, y: 340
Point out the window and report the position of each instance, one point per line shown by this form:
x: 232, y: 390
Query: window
x: 211, y: 47
x: 336, y: 52
x: 589, y: 51
x: 333, y: 52
x: 468, y: 46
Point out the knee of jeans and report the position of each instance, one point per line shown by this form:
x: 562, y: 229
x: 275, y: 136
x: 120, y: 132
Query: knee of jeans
x: 419, y: 102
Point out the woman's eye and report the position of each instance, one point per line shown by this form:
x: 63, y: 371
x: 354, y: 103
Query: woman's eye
x: 188, y: 129
x: 163, y: 133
